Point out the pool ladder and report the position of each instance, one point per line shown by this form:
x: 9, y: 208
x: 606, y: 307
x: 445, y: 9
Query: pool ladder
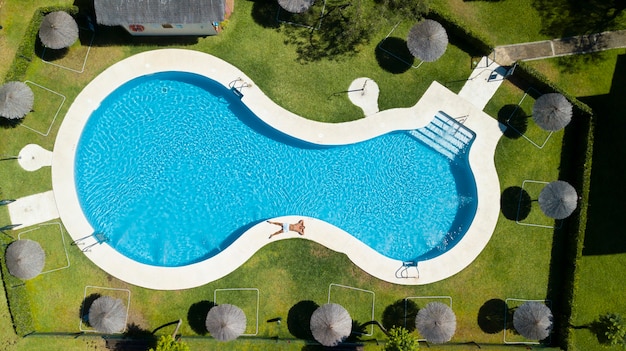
x: 98, y: 237
x: 403, y: 271
x: 237, y: 85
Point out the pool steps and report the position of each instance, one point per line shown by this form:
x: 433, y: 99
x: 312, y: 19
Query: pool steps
x: 445, y: 135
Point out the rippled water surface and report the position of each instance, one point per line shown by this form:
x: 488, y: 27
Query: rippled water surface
x: 173, y: 168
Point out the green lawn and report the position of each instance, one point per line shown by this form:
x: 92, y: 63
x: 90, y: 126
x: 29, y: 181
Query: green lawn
x: 516, y: 262
x: 510, y: 22
x: 601, y: 269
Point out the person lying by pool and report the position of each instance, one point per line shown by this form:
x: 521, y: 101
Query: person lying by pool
x: 285, y: 227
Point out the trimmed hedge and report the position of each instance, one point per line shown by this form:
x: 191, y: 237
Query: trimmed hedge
x: 17, y: 298
x: 26, y: 51
x: 468, y: 40
x: 537, y: 79
x: 14, y: 288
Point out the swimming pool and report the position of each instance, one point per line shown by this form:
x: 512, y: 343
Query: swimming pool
x: 436, y: 98
x: 172, y: 167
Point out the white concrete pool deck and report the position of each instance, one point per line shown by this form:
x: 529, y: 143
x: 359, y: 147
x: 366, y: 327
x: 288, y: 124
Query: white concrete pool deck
x: 437, y: 98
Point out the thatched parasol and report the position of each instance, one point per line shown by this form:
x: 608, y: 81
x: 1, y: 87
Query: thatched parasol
x: 533, y: 320
x: 427, y: 40
x: 226, y: 322
x: 58, y: 30
x: 107, y: 315
x: 16, y: 100
x: 25, y: 259
x: 296, y: 6
x: 558, y: 199
x: 552, y: 112
x: 330, y: 324
x: 436, y: 322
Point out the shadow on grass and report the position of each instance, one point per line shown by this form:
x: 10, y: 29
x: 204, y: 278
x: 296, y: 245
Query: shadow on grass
x: 491, y: 316
x: 515, y: 119
x: 7, y: 123
x: 606, y: 198
x: 135, y: 338
x: 264, y: 13
x: 393, y: 55
x: 299, y: 319
x: 83, y: 313
x: 564, y: 18
x: 401, y: 313
x: 515, y: 203
x: 196, y: 316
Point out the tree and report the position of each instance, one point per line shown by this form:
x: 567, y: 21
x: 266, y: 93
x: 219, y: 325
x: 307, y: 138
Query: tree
x: 401, y: 340
x: 167, y: 343
x: 409, y: 10
x: 610, y: 329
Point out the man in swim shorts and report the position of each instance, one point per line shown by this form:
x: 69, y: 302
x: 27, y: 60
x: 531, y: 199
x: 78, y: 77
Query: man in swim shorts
x: 286, y: 227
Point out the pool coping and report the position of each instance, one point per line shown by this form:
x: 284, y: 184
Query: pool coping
x: 437, y: 98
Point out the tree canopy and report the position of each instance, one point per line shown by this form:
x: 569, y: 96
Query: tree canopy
x: 401, y: 340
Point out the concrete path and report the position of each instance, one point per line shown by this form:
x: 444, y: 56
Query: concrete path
x: 33, y: 209
x: 483, y: 83
x: 507, y: 54
x: 32, y: 157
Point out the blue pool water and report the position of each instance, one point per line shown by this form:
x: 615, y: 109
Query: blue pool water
x: 173, y: 167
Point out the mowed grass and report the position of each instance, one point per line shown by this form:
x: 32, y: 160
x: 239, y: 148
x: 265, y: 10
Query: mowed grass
x: 601, y: 270
x: 519, y: 21
x: 515, y: 263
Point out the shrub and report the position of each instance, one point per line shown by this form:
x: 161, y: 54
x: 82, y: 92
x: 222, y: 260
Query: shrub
x: 543, y: 84
x: 465, y: 37
x: 401, y: 340
x: 167, y: 343
x: 610, y: 329
x: 26, y: 51
x: 17, y: 299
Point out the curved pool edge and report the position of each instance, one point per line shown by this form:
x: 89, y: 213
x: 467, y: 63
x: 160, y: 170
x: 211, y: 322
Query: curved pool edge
x: 437, y: 98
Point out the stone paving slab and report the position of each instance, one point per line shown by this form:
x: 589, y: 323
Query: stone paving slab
x: 508, y: 54
x: 33, y: 209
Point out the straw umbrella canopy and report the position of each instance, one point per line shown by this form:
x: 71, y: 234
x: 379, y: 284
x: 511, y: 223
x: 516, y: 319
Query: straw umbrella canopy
x: 558, y: 199
x: 552, y: 112
x: 58, y: 30
x: 226, y: 322
x: 427, y: 40
x: 533, y: 320
x: 25, y: 259
x: 16, y: 100
x: 107, y: 315
x: 436, y: 322
x: 330, y: 324
x: 296, y: 6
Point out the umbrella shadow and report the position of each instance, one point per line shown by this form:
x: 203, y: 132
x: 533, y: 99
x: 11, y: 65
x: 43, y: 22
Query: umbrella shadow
x: 515, y: 203
x: 83, y: 313
x: 135, y: 338
x: 196, y: 316
x: 515, y: 119
x: 7, y: 123
x: 49, y: 54
x: 264, y: 13
x: 393, y: 55
x: 299, y: 319
x: 401, y: 313
x: 491, y: 316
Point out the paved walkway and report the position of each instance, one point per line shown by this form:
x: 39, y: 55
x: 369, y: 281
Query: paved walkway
x: 507, y: 54
x: 437, y: 98
x: 483, y: 83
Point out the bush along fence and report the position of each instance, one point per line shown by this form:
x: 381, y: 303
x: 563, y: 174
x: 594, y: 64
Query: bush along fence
x: 17, y: 297
x: 461, y: 34
x: 15, y: 290
x: 26, y: 51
